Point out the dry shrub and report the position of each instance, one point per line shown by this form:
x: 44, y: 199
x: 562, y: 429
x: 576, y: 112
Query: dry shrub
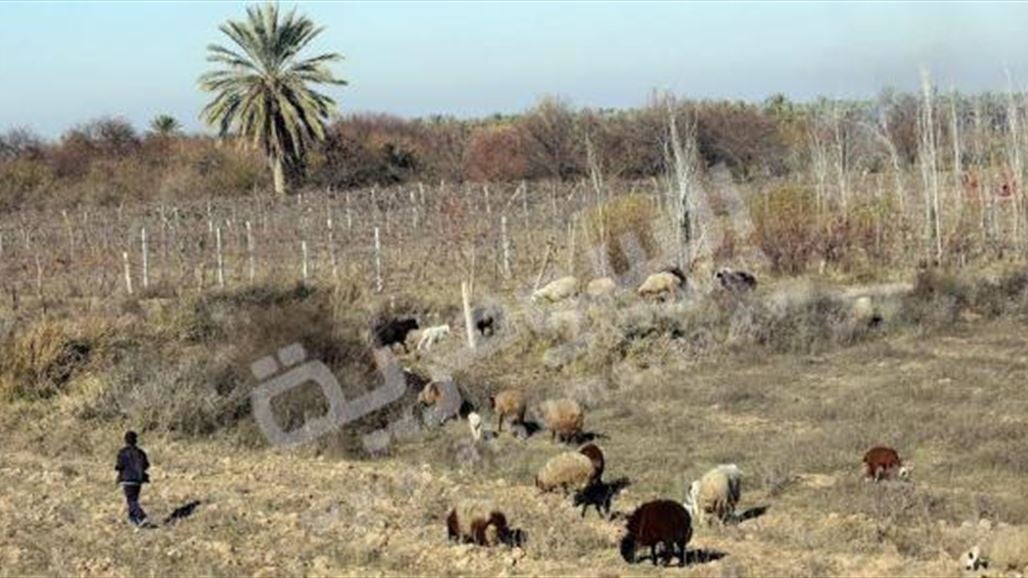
x: 612, y: 223
x: 40, y: 359
x: 785, y: 227
x: 495, y: 154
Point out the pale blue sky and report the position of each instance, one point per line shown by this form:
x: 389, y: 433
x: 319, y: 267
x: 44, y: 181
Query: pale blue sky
x: 64, y: 63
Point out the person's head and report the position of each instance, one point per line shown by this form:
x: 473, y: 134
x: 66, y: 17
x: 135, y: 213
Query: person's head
x: 131, y: 437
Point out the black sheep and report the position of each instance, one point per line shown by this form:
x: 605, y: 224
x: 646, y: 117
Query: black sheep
x: 663, y: 522
x: 737, y: 281
x: 389, y: 332
x: 600, y: 495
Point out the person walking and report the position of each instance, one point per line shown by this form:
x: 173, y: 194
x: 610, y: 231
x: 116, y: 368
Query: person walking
x: 132, y: 466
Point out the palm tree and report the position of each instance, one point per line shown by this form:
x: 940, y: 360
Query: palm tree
x: 263, y: 92
x: 164, y: 125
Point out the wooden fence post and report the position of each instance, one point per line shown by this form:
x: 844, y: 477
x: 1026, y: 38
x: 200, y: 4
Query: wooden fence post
x: 378, y: 262
x: 128, y: 271
x: 146, y: 259
x: 221, y: 258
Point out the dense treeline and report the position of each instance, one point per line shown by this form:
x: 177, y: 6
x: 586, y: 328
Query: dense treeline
x: 107, y: 161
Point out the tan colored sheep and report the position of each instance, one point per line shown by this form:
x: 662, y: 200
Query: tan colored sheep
x: 1005, y: 552
x: 600, y: 287
x: 563, y: 417
x: 568, y: 471
x: 662, y: 284
x: 508, y: 403
x: 558, y: 290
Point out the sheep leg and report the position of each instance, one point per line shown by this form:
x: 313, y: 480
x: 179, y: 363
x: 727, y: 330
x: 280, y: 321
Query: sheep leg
x: 653, y: 554
x: 499, y: 423
x: 681, y: 553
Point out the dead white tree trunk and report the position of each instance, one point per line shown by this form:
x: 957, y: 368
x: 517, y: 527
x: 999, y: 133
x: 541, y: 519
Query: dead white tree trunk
x: 683, y: 180
x: 469, y: 322
x: 929, y: 168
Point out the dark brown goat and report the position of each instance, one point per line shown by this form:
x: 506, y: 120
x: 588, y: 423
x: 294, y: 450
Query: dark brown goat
x: 664, y: 522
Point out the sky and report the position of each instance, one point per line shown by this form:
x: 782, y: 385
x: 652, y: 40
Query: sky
x: 64, y: 63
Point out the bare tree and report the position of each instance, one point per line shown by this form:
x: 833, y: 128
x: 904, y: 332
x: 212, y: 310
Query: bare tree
x: 683, y: 183
x: 929, y: 167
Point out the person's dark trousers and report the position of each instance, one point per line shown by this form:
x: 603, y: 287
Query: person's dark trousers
x: 135, y: 511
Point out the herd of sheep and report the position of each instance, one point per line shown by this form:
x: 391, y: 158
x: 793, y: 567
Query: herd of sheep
x: 664, y: 526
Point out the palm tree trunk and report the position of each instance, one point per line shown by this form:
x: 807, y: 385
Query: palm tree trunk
x: 278, y: 173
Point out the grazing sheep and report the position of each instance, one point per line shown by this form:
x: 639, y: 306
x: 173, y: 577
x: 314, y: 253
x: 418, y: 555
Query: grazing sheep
x: 389, y: 332
x: 568, y: 471
x: 661, y: 284
x: 882, y: 462
x: 595, y: 454
x: 715, y: 495
x: 600, y: 287
x: 508, y: 403
x: 660, y: 522
x: 735, y: 281
x: 432, y: 335
x: 479, y: 522
x: 1006, y: 552
x: 564, y: 418
x: 558, y: 290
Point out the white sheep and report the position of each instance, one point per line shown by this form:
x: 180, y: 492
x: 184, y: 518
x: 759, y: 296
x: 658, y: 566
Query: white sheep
x: 663, y: 283
x: 715, y: 495
x: 432, y: 335
x: 558, y: 290
x: 1006, y: 552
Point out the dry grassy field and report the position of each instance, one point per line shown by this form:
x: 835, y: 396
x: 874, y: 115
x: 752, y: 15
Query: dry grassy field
x: 941, y: 382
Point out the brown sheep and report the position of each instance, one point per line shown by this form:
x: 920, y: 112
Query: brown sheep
x: 479, y: 522
x: 664, y: 522
x: 568, y: 471
x: 564, y: 418
x: 508, y: 403
x: 595, y: 454
x: 881, y: 462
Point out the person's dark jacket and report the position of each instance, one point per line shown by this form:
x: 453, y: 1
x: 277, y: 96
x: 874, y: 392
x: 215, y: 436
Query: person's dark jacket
x: 132, y: 465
